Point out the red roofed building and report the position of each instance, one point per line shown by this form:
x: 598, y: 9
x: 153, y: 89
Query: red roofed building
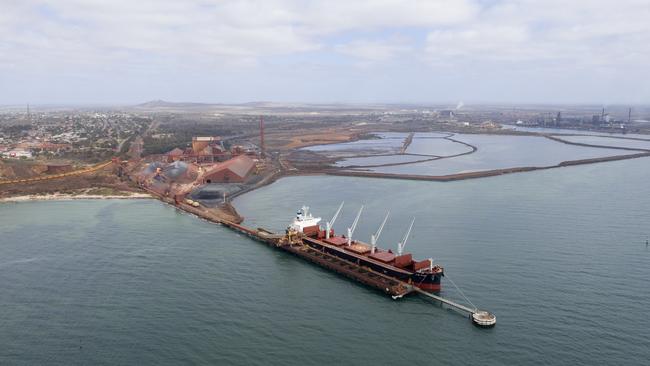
x: 235, y: 170
x: 174, y: 155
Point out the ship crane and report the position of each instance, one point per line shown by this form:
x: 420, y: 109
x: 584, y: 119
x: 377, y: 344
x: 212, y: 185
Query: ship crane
x: 374, y: 237
x: 354, y: 226
x: 329, y: 224
x: 402, y: 244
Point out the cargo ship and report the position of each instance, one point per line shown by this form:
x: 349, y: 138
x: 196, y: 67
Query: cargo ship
x: 396, y: 274
x: 398, y: 265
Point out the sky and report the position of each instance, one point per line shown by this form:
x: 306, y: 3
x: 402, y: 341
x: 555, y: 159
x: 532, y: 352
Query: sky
x: 344, y: 51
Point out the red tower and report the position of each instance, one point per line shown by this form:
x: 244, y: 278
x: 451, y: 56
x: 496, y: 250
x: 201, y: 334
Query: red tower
x: 262, y: 149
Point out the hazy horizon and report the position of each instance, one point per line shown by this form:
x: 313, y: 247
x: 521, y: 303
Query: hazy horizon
x: 261, y: 103
x: 75, y: 52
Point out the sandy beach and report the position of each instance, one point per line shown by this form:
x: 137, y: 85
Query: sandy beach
x: 68, y: 197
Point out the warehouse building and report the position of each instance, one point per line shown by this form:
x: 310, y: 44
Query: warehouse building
x: 235, y: 170
x: 175, y: 155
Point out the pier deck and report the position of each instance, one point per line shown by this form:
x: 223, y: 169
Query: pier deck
x: 446, y: 301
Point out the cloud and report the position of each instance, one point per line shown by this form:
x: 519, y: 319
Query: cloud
x: 579, y: 31
x: 435, y: 42
x: 497, y: 42
x: 208, y: 28
x: 512, y: 30
x: 373, y: 51
x: 341, y: 15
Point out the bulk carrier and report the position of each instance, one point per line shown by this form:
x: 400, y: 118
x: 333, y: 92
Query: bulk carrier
x: 396, y: 274
x: 400, y: 266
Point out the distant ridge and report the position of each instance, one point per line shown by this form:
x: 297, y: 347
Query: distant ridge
x: 279, y: 107
x: 159, y: 103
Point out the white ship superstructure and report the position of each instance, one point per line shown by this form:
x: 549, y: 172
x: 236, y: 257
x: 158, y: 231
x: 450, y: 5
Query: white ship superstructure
x: 303, y: 219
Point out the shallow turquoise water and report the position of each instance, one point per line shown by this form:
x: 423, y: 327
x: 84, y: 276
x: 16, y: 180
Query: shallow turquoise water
x: 502, y: 152
x: 559, y: 256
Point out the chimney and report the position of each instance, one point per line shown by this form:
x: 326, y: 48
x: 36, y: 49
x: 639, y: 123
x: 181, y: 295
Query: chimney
x: 262, y: 148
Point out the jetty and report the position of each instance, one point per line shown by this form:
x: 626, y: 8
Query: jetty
x: 299, y: 246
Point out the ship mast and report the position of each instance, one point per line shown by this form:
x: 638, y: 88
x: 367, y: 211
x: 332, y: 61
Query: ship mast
x: 329, y: 224
x: 402, y: 244
x: 354, y: 226
x: 374, y: 237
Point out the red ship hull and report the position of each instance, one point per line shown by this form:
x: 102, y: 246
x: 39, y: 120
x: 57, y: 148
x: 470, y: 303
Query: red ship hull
x: 407, y: 271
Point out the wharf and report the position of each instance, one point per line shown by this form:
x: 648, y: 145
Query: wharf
x: 381, y: 282
x: 386, y: 284
x: 299, y: 248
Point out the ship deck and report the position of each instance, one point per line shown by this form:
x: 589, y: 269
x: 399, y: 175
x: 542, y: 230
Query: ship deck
x: 360, y: 256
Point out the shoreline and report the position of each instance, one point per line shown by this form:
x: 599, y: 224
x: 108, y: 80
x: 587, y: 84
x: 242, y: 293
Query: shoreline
x: 72, y: 197
x: 88, y: 194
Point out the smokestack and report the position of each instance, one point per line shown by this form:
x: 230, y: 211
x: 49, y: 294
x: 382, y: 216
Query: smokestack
x: 629, y: 115
x: 262, y: 149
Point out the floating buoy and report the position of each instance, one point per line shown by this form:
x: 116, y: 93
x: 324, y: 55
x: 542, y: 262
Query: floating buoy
x: 483, y: 319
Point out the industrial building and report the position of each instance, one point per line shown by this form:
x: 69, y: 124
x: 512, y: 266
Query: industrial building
x: 204, y: 150
x: 199, y: 143
x: 235, y: 170
x: 207, y: 149
x: 174, y: 155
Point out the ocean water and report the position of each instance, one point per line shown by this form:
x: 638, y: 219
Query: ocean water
x: 558, y: 255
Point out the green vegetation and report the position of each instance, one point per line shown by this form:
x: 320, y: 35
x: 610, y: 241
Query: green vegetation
x: 16, y: 130
x: 163, y: 145
x: 180, y: 135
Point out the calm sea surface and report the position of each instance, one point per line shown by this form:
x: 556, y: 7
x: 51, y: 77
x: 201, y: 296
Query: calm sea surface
x: 558, y: 255
x: 499, y: 152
